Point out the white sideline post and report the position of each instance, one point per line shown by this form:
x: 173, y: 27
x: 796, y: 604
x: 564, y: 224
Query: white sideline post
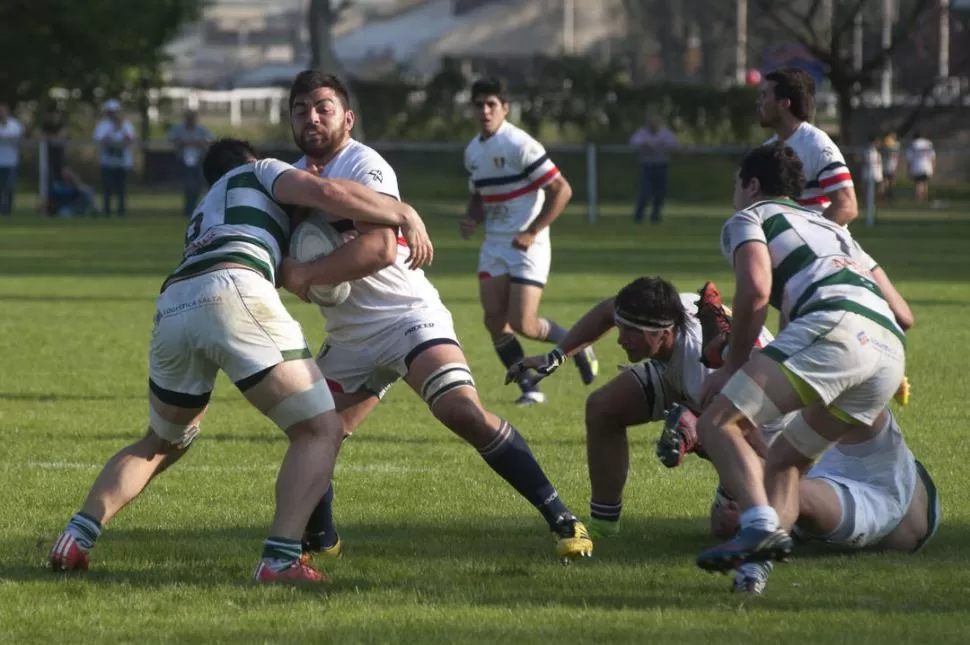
x: 870, y: 202
x: 592, y: 177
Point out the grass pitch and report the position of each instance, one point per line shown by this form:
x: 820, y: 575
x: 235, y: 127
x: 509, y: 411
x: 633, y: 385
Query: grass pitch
x: 438, y: 549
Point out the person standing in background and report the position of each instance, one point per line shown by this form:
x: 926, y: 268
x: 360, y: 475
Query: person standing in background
x: 191, y: 140
x: 872, y: 169
x: 52, y: 132
x: 115, y: 135
x: 11, y: 132
x: 921, y: 159
x: 890, y: 163
x: 653, y: 143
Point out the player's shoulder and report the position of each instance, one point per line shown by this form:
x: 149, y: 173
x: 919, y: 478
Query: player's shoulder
x: 513, y: 135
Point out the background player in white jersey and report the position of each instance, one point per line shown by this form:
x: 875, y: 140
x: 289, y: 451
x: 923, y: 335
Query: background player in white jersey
x: 220, y: 310
x: 838, y: 362
x: 921, y: 160
x: 786, y: 103
x: 518, y: 192
x: 394, y: 325
x: 658, y: 329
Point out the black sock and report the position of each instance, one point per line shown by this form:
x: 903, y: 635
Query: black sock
x: 508, y: 454
x: 555, y: 333
x: 606, y: 511
x: 320, y: 533
x: 510, y: 351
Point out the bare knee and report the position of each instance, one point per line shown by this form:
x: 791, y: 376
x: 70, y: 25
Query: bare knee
x: 525, y: 326
x: 598, y: 410
x: 152, y: 446
x: 326, y: 427
x: 495, y: 323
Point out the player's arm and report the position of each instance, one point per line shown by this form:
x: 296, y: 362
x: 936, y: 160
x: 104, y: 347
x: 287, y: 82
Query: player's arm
x: 588, y: 329
x: 835, y: 180
x: 752, y: 270
x: 558, y: 193
x: 474, y: 215
x: 375, y: 248
x: 904, y: 315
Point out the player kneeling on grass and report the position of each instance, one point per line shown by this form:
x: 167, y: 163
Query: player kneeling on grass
x: 394, y: 326
x: 220, y: 310
x: 656, y: 325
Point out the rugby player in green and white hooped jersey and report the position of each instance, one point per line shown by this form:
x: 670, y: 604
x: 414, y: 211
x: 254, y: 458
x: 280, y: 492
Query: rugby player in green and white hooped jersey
x: 839, y: 361
x: 220, y: 310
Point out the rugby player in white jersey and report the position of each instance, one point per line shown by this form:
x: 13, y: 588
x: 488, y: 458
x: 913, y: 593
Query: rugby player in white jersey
x: 220, y: 310
x: 786, y: 102
x: 838, y: 361
x: 393, y: 325
x: 517, y: 192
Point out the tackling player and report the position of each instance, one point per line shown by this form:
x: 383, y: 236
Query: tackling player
x: 518, y: 192
x: 220, y: 310
x: 786, y: 102
x: 838, y: 362
x: 394, y: 325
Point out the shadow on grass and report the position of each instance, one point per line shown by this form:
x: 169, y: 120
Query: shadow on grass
x: 509, y: 563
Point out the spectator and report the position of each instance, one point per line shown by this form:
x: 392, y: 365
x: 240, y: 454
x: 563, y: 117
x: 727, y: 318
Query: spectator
x: 114, y: 135
x: 11, y: 131
x: 872, y: 170
x: 921, y: 159
x: 653, y: 143
x: 890, y: 164
x: 190, y: 141
x: 69, y: 196
x: 53, y: 132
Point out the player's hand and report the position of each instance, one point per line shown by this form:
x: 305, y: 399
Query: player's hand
x: 713, y: 385
x: 313, y: 168
x: 467, y: 227
x: 293, y: 277
x: 523, y: 240
x: 414, y: 231
x: 543, y: 366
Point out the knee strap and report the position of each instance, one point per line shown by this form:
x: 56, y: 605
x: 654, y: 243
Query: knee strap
x: 180, y: 435
x: 446, y: 378
x: 301, y: 406
x: 750, y: 398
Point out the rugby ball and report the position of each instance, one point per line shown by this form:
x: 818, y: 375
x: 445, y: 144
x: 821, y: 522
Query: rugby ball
x: 312, y: 238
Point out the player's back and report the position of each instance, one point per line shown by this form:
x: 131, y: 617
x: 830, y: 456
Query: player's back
x: 822, y: 163
x: 239, y: 221
x: 816, y: 265
x: 509, y: 170
x: 377, y: 300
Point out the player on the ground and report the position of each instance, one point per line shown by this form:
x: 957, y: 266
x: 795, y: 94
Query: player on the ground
x: 786, y: 102
x: 220, y: 310
x: 838, y: 361
x: 517, y: 192
x: 394, y: 325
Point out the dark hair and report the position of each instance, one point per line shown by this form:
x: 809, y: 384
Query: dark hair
x: 798, y: 87
x: 777, y: 169
x: 652, y: 302
x: 224, y: 155
x: 490, y: 86
x: 313, y: 79
x: 917, y: 134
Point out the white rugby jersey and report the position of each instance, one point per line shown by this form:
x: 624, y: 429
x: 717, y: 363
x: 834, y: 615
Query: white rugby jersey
x: 823, y: 165
x: 509, y: 170
x: 684, y: 373
x: 378, y: 299
x: 816, y: 265
x: 239, y: 221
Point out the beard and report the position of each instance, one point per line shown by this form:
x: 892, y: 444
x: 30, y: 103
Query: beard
x: 321, y: 145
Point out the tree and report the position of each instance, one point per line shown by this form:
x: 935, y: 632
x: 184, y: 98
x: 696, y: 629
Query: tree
x: 825, y: 28
x: 106, y: 45
x: 322, y: 16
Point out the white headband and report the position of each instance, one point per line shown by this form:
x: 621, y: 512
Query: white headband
x: 659, y: 326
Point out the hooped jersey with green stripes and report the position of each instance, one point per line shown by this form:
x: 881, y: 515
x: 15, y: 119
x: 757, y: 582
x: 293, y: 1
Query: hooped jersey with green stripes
x: 816, y: 265
x: 239, y: 221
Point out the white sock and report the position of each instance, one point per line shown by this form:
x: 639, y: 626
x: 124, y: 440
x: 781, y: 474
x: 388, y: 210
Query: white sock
x: 761, y: 517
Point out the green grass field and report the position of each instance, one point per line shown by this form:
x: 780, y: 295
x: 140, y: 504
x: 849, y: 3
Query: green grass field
x: 438, y: 549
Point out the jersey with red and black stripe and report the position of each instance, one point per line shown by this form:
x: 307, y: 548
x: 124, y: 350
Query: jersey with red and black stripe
x: 823, y: 165
x: 509, y: 170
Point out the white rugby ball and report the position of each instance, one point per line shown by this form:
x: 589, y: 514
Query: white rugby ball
x: 312, y: 238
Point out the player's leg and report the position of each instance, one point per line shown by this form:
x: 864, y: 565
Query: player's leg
x: 659, y: 192
x: 643, y: 193
x: 440, y: 374
x: 349, y: 373
x: 180, y: 385
x: 610, y: 410
x: 493, y: 291
x: 529, y: 271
